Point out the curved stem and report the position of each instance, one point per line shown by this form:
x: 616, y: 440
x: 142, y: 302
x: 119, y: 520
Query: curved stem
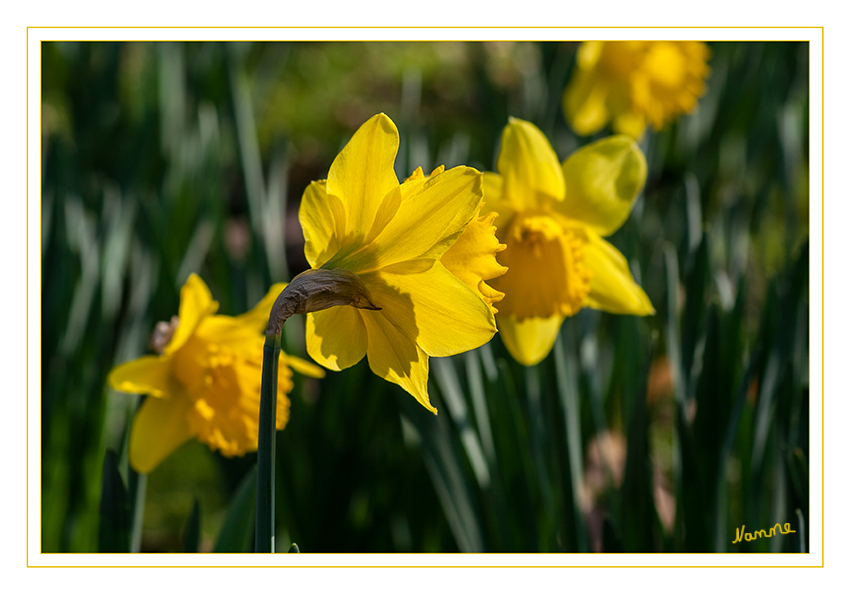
x: 310, y: 291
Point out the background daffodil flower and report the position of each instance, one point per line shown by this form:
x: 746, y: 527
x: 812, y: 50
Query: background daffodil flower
x: 206, y: 381
x: 634, y: 83
x: 395, y: 238
x: 553, y: 218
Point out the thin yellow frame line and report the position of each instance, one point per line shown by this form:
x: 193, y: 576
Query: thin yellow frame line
x: 428, y: 566
x: 822, y: 294
x: 27, y: 290
x: 413, y: 27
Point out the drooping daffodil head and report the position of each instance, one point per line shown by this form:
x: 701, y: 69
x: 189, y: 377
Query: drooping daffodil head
x: 204, y: 383
x: 421, y: 251
x: 632, y: 84
x: 553, y: 218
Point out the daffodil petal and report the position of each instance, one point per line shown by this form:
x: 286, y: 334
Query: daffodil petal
x: 585, y: 103
x: 528, y: 165
x: 630, y: 123
x: 603, y: 180
x: 431, y: 306
x: 160, y: 426
x: 258, y: 317
x: 612, y: 287
x: 245, y: 331
x: 530, y: 340
x: 396, y: 358
x: 229, y: 332
x: 150, y: 374
x: 196, y: 303
x: 301, y: 366
x: 433, y: 213
x: 496, y: 201
x: 362, y: 174
x: 323, y: 222
x: 336, y: 337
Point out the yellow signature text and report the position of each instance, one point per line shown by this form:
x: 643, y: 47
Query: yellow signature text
x: 748, y: 536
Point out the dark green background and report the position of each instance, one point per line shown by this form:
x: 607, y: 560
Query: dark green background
x: 161, y: 159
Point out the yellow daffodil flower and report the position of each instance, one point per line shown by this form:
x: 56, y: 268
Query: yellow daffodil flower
x: 206, y: 381
x: 634, y: 83
x: 420, y: 250
x: 553, y: 219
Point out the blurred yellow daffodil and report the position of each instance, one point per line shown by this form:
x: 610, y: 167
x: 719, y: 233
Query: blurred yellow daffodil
x: 419, y: 249
x: 634, y: 83
x: 205, y: 383
x: 553, y: 218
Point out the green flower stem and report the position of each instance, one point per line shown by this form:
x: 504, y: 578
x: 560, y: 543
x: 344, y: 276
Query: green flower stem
x: 264, y: 519
x: 310, y: 291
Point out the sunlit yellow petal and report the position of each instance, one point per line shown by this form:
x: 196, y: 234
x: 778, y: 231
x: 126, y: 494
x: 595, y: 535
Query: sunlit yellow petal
x: 323, y: 221
x: 159, y: 427
x: 472, y: 258
x: 396, y: 358
x: 196, y: 303
x: 336, y: 337
x: 430, y: 305
x: 362, y: 175
x: 434, y: 211
x: 612, y: 287
x: 603, y: 179
x: 530, y: 340
x: 146, y: 375
x: 528, y: 165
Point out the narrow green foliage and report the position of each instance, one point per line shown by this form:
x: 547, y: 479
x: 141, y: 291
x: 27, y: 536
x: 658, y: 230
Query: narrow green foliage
x: 801, y: 530
x: 612, y: 542
x: 192, y: 530
x: 237, y: 535
x: 637, y: 518
x: 453, y: 483
x: 566, y: 371
x: 114, y: 532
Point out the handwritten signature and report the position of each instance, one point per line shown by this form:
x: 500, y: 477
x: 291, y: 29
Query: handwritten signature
x: 748, y: 536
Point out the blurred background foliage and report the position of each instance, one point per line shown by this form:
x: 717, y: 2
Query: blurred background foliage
x: 655, y: 434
